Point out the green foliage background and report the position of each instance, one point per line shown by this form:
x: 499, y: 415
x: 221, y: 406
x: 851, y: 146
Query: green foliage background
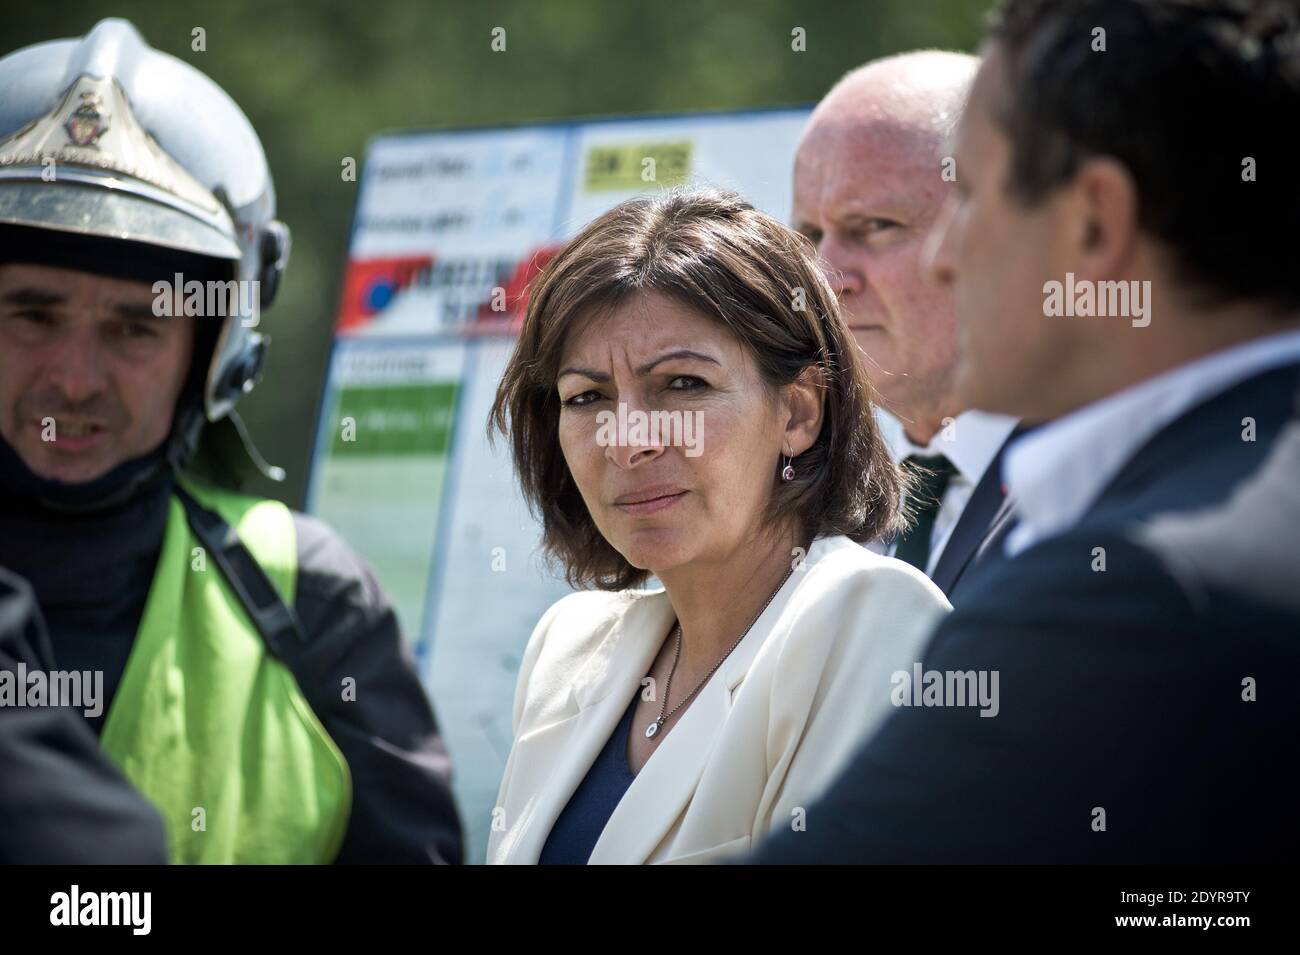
x: 319, y: 79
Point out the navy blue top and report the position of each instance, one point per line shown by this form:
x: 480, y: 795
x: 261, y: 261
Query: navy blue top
x: 575, y: 832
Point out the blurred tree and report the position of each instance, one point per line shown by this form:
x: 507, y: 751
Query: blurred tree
x: 319, y: 79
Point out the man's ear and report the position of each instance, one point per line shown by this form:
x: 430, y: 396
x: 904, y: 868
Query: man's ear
x: 1104, y: 207
x: 804, y: 400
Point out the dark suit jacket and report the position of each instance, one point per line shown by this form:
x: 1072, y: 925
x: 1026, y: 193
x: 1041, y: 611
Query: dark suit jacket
x: 61, y: 800
x: 1157, y: 697
x: 979, y: 519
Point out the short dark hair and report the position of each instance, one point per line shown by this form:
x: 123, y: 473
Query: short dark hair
x: 713, y: 252
x: 1183, y: 93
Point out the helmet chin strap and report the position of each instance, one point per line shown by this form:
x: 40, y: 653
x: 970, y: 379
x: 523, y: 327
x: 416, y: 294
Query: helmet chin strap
x: 187, y: 429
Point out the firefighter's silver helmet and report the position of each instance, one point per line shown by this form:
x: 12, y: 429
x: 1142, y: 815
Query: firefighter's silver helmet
x: 104, y: 136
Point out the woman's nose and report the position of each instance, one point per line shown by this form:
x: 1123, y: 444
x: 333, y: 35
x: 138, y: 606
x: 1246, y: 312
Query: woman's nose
x: 629, y: 434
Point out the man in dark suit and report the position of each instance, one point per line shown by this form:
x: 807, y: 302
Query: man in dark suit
x: 61, y: 800
x: 869, y: 180
x: 1136, y: 646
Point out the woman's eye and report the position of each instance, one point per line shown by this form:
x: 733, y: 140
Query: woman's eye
x: 583, y: 398
x: 687, y: 383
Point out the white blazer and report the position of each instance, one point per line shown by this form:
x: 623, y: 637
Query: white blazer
x: 759, y: 741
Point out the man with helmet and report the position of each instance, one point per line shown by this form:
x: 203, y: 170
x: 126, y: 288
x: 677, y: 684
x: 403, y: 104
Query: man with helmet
x: 257, y: 688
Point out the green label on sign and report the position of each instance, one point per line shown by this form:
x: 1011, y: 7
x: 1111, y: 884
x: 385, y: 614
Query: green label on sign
x: 637, y: 166
x: 394, y: 419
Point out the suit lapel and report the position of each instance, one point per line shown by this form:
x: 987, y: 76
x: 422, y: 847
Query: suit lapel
x: 657, y: 797
x: 666, y: 782
x: 558, y: 755
x: 1003, y: 523
x: 974, y: 525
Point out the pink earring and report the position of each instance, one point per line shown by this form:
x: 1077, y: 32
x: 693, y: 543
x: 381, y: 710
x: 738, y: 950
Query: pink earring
x: 787, y: 472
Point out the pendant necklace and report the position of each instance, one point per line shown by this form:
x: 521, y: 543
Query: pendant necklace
x: 652, y: 730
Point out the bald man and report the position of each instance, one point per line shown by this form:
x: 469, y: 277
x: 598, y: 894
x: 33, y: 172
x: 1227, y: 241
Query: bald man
x: 870, y: 176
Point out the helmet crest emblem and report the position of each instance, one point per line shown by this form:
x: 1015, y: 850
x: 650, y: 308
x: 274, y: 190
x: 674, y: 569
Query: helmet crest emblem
x: 87, y: 123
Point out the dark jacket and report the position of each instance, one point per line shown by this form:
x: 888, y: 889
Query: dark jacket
x: 970, y: 539
x: 1157, y: 696
x: 91, y: 574
x: 61, y: 800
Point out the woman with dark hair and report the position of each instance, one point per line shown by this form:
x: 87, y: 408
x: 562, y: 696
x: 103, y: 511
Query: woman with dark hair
x: 685, y: 402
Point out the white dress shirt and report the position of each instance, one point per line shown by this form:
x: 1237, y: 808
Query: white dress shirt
x: 971, y: 442
x: 1054, y: 474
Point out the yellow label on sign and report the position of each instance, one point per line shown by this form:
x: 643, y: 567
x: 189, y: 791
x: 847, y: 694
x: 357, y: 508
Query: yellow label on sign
x: 637, y: 166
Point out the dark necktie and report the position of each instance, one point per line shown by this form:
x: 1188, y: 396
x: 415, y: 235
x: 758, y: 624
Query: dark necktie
x: 932, y: 475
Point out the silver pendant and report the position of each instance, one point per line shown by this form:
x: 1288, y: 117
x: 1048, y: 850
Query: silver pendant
x: 651, y: 730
